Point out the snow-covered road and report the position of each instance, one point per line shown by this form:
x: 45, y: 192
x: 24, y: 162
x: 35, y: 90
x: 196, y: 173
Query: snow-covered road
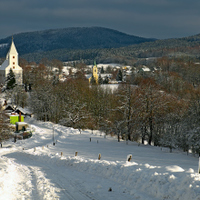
x: 35, y: 169
x: 31, y: 177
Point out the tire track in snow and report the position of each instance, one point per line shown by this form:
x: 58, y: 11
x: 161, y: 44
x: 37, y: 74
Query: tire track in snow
x: 46, y: 184
x: 15, y: 181
x: 68, y: 189
x: 22, y: 181
x: 43, y: 188
x: 77, y: 192
x: 35, y: 192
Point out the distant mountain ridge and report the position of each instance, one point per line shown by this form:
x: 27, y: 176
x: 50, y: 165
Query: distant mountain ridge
x: 101, y: 44
x: 71, y: 39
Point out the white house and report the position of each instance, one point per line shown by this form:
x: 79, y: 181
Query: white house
x: 11, y: 62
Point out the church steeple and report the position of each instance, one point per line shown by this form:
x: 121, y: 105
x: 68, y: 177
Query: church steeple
x: 12, y: 55
x: 95, y: 72
x: 13, y: 49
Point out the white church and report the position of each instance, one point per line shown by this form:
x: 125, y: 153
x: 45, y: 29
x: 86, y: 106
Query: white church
x: 11, y: 62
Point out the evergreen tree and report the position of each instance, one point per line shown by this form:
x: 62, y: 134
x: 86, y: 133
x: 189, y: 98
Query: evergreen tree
x: 100, y: 80
x: 93, y: 81
x: 102, y: 70
x: 10, y: 80
x: 106, y: 80
x: 119, y: 75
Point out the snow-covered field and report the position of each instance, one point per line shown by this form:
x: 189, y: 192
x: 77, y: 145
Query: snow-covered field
x: 36, y: 169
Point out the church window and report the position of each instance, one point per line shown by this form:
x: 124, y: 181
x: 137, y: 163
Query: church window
x: 13, y: 67
x: 13, y: 56
x: 13, y: 63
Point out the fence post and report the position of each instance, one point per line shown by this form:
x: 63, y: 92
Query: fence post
x: 76, y: 153
x: 129, y: 158
x: 99, y: 158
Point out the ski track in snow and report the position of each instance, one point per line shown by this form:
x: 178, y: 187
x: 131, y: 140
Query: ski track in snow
x: 35, y: 169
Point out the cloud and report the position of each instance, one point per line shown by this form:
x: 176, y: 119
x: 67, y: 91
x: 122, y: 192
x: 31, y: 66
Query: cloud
x: 137, y: 17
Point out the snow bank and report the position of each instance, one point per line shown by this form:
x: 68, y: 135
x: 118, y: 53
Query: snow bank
x: 139, y: 178
x: 152, y: 174
x: 159, y: 181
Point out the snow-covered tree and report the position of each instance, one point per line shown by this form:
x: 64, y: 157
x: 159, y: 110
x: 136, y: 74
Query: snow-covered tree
x: 74, y: 115
x: 190, y: 125
x: 125, y: 108
x: 98, y: 104
x: 19, y: 96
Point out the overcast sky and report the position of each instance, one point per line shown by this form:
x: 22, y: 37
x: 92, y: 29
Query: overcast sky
x: 146, y: 18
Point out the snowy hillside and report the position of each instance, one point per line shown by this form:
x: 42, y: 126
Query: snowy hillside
x: 36, y: 169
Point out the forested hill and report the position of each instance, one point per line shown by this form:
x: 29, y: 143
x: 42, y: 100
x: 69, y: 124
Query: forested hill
x: 175, y: 47
x: 69, y: 38
x: 101, y: 44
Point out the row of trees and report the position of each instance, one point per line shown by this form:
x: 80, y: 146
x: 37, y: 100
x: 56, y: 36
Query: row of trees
x: 162, y: 109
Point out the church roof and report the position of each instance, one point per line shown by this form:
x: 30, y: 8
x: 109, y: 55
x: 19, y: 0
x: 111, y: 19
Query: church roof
x: 4, y: 65
x: 88, y: 76
x: 12, y: 50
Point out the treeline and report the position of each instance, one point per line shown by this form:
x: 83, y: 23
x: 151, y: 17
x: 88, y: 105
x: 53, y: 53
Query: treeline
x: 177, y: 47
x: 174, y: 48
x: 162, y: 108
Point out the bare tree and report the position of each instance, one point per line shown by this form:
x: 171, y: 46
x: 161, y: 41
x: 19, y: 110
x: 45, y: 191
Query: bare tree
x: 4, y: 127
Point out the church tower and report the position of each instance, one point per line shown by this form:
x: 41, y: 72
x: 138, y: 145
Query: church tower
x: 94, y: 78
x: 95, y: 72
x: 11, y: 62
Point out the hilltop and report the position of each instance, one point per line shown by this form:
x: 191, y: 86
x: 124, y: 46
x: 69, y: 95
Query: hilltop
x: 102, y: 44
x: 70, y: 38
